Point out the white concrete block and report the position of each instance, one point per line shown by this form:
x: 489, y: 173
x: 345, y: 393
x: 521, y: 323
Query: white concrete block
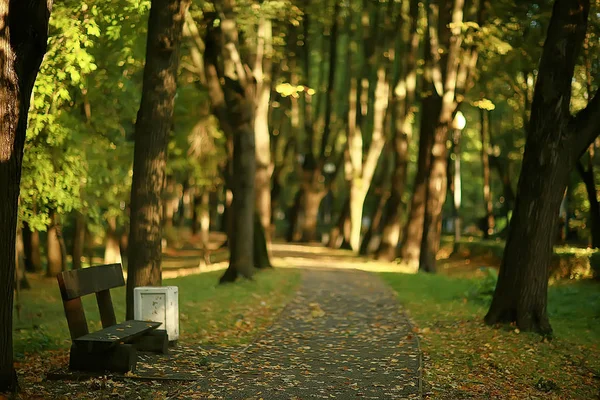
x: 159, y: 304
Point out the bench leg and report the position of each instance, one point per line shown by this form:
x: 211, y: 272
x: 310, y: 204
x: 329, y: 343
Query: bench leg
x: 121, y: 358
x: 155, y: 341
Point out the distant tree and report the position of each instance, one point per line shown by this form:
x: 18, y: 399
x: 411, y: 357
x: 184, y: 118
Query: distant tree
x: 225, y: 64
x: 23, y: 37
x: 555, y: 141
x: 152, y: 128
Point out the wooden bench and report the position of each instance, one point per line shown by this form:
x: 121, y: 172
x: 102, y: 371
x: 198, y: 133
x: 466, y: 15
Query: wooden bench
x: 114, y: 348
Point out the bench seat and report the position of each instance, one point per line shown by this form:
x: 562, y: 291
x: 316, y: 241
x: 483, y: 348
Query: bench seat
x: 125, y: 332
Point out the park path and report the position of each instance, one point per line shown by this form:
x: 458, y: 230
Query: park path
x: 343, y: 336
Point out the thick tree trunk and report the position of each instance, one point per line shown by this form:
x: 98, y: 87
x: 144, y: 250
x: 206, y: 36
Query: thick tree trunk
x: 33, y: 256
x: 241, y: 244
x: 359, y: 186
x: 78, y: 240
x: 411, y: 247
x: 444, y: 20
x: 311, y: 201
x: 112, y: 249
x: 54, y: 253
x: 264, y: 164
x: 555, y: 142
x: 23, y: 36
x: 485, y: 162
x: 436, y: 196
x: 152, y: 129
x: 402, y: 103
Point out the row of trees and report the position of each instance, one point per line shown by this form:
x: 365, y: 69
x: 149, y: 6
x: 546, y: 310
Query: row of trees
x: 304, y: 109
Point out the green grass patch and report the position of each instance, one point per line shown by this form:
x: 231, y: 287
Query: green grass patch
x: 209, y: 313
x: 466, y: 359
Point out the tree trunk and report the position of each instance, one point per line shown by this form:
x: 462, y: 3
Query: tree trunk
x: 373, y: 234
x: 293, y: 217
x: 205, y: 219
x: 339, y: 236
x: 23, y: 36
x: 402, y: 103
x: 311, y: 200
x: 197, y: 200
x: 436, y: 196
x: 261, y: 254
x: 411, y: 247
x: 555, y: 142
x: 54, y: 253
x: 485, y: 162
x: 241, y: 241
x: 457, y: 188
x: 31, y: 245
x: 587, y: 176
x: 363, y: 172
x: 112, y: 249
x: 264, y: 164
x: 78, y: 240
x: 152, y: 129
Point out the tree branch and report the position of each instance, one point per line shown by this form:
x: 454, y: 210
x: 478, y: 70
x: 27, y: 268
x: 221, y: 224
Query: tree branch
x: 587, y: 125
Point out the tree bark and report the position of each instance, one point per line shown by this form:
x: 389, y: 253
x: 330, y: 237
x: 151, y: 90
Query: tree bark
x: 23, y: 37
x: 236, y: 93
x: 363, y: 172
x: 78, y: 240
x: 264, y: 164
x: 312, y: 195
x: 402, y: 108
x: 555, y: 142
x: 444, y: 22
x: 152, y: 129
x: 31, y: 245
x: 411, y: 246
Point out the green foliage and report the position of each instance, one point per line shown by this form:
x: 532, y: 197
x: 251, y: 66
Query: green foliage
x: 482, y: 289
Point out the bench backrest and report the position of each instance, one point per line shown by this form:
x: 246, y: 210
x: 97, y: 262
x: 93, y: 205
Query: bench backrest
x: 81, y: 282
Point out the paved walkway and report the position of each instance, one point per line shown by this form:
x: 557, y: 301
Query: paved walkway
x: 342, y: 337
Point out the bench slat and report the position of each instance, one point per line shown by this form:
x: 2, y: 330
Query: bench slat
x: 81, y: 282
x: 108, y: 337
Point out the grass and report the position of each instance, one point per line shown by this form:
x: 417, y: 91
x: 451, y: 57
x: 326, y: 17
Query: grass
x: 209, y: 313
x: 466, y: 359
